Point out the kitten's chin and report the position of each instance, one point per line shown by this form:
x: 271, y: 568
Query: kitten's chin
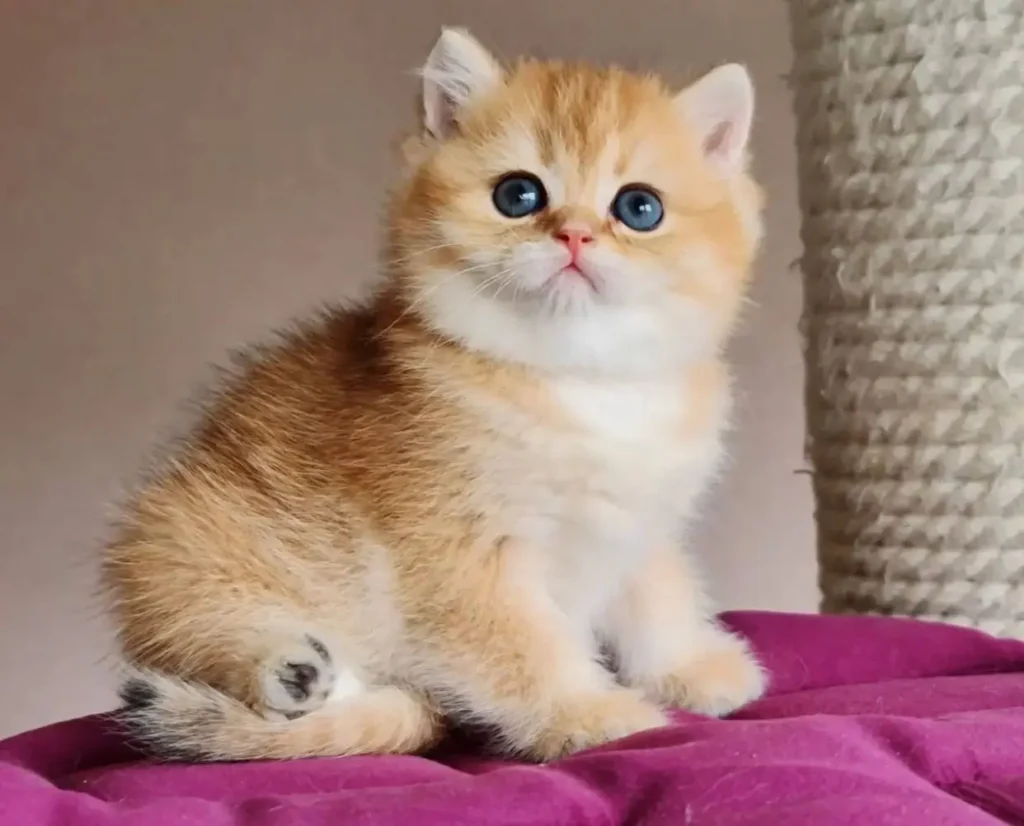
x: 569, y: 329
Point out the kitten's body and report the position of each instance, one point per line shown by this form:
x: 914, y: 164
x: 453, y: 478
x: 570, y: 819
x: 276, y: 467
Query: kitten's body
x: 443, y: 504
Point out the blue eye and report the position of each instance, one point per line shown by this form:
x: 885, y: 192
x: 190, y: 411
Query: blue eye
x: 638, y: 208
x: 519, y: 194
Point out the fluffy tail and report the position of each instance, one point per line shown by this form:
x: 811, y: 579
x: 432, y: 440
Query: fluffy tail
x: 173, y: 719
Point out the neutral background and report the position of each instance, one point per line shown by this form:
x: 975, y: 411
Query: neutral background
x: 177, y: 177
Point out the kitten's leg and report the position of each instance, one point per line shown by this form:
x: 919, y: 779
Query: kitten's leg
x: 498, y: 651
x: 667, y: 643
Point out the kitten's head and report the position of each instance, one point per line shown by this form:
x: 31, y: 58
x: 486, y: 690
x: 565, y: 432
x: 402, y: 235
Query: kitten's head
x: 573, y: 218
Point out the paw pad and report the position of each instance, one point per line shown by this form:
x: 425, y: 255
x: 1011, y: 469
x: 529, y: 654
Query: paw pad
x: 299, y: 680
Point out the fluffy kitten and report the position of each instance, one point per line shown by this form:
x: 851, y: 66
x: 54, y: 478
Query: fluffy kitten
x: 443, y: 505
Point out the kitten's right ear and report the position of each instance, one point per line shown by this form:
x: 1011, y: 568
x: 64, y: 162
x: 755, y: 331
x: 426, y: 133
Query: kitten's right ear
x: 458, y: 70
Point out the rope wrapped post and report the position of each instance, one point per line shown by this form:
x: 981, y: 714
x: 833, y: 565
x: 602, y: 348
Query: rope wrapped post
x: 910, y: 125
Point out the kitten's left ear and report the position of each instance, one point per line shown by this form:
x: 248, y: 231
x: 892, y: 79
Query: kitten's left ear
x: 458, y: 71
x: 720, y: 106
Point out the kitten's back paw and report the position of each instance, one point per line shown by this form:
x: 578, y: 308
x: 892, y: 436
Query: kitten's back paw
x: 297, y: 678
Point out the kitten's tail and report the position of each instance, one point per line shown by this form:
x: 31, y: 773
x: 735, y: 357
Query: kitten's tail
x: 173, y: 719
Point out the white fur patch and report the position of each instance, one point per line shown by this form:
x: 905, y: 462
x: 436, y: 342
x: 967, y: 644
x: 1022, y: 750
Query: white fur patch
x: 595, y: 499
x: 346, y: 686
x: 634, y: 411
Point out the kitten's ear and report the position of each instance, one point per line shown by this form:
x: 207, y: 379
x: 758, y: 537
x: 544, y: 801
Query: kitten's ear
x: 720, y: 106
x: 457, y: 71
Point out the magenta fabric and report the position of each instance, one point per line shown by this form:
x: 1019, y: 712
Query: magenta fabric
x: 869, y: 722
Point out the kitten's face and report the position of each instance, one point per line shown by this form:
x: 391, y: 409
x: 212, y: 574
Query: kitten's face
x: 570, y: 217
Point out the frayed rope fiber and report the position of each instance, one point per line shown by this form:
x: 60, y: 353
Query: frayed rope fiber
x: 910, y: 134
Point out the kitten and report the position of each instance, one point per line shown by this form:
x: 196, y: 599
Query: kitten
x: 444, y: 505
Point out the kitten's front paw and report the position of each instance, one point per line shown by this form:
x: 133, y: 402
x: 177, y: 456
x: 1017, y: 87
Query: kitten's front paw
x: 593, y: 720
x: 721, y: 679
x: 296, y: 679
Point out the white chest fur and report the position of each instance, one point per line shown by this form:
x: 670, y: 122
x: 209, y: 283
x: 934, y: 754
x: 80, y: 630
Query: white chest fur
x: 620, y: 413
x: 597, y: 496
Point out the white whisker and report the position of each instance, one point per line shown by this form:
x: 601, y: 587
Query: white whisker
x: 441, y: 282
x: 393, y: 262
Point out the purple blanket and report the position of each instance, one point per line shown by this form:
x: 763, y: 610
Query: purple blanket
x: 869, y: 722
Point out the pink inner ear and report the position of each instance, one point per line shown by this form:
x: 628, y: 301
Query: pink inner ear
x: 719, y: 141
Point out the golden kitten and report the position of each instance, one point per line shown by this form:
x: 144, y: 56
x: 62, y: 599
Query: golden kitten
x: 445, y: 505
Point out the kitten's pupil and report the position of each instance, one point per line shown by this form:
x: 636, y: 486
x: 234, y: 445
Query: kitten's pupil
x: 519, y: 194
x: 638, y: 208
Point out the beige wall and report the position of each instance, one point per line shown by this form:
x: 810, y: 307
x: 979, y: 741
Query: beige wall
x: 176, y: 177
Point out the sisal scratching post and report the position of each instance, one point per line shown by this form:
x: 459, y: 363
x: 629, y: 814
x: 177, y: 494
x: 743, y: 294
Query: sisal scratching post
x: 911, y: 154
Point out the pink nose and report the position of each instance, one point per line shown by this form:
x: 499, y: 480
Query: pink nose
x: 574, y: 238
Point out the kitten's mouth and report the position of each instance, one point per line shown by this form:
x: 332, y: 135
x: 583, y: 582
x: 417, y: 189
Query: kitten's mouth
x: 574, y: 272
